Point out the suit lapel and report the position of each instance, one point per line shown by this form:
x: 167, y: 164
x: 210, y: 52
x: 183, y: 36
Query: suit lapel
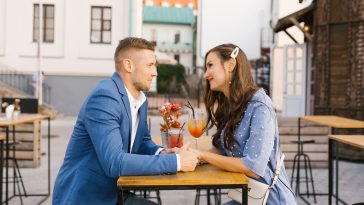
x: 141, y: 128
x: 124, y: 98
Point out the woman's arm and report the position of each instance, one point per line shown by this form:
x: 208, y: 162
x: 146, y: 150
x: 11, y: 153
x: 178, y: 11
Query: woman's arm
x: 232, y: 164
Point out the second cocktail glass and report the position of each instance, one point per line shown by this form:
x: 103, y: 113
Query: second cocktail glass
x: 196, y: 124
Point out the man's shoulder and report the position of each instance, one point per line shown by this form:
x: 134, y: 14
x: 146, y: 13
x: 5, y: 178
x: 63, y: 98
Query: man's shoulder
x: 107, y: 85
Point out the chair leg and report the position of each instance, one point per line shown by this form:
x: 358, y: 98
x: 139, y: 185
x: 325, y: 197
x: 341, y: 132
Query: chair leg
x: 197, y: 199
x: 20, y: 177
x: 294, y: 166
x: 297, y: 190
x: 159, y: 197
x: 313, y: 186
x: 305, y: 157
x: 216, y: 196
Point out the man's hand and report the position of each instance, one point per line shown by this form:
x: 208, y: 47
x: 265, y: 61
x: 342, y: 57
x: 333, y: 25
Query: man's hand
x: 189, y: 159
x: 170, y: 150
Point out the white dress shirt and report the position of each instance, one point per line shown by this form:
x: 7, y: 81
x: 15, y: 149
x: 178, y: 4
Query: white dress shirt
x: 135, y: 104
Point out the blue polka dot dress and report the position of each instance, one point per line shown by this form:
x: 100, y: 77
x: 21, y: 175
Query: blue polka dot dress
x: 257, y: 145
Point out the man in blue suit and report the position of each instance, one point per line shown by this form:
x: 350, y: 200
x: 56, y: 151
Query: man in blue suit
x: 111, y: 139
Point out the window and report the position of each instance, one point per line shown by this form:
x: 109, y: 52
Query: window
x: 100, y: 24
x: 177, y: 37
x: 47, y: 21
x: 176, y: 57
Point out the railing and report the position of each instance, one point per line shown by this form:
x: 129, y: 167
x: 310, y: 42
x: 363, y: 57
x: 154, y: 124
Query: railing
x: 22, y: 82
x: 156, y: 101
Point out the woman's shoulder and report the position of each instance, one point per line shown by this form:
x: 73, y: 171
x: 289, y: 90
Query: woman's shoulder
x: 260, y: 97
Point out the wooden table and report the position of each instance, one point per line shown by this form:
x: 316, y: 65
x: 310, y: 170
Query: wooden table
x: 331, y: 121
x: 352, y: 140
x: 204, y: 177
x: 22, y: 119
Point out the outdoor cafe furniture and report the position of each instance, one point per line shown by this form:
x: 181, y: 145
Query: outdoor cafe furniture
x: 331, y: 121
x: 204, y: 177
x: 9, y: 125
x: 334, y: 140
x: 2, y: 138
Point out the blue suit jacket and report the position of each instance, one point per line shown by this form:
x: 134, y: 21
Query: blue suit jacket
x: 98, y: 154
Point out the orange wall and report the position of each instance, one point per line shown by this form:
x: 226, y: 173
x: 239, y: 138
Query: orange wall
x: 184, y: 3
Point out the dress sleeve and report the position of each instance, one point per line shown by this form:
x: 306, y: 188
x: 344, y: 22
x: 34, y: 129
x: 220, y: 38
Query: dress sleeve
x: 259, y: 145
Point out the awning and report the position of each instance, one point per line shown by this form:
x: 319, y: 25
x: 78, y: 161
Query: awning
x: 294, y: 19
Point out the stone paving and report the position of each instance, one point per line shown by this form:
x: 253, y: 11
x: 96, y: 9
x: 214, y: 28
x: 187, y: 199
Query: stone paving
x: 351, y: 174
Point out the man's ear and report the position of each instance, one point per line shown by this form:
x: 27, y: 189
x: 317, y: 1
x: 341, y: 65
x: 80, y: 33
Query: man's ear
x: 127, y: 64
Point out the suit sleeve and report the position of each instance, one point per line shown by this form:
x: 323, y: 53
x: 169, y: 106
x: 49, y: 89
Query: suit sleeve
x: 103, y: 113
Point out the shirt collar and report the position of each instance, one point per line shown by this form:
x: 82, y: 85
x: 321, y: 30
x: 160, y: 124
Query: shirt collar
x: 136, y: 103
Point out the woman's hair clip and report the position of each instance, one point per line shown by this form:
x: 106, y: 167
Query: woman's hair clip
x: 234, y: 53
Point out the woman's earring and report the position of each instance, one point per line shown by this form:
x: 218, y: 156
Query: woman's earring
x: 229, y: 78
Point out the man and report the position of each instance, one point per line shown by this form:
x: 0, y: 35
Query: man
x: 111, y: 139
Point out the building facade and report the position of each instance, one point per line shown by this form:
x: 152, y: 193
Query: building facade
x: 77, y: 42
x: 172, y: 29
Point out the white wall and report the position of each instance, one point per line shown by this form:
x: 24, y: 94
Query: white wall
x: 71, y: 53
x: 166, y: 32
x: 283, y: 8
x: 232, y: 21
x: 2, y: 27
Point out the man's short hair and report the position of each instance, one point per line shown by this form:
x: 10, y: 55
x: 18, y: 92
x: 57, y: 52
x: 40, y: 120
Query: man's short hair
x: 132, y: 43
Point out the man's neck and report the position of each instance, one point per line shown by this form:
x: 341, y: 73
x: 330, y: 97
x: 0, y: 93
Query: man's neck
x: 134, y: 92
x: 129, y: 85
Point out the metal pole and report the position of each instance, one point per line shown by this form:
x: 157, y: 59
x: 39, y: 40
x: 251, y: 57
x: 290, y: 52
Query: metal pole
x: 38, y: 87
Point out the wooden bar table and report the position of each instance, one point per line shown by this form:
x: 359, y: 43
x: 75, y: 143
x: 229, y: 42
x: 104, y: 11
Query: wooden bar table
x: 331, y: 121
x: 334, y: 140
x: 204, y: 177
x: 23, y: 119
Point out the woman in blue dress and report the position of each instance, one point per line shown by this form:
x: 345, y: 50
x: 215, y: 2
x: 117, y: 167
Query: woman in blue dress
x: 247, y: 137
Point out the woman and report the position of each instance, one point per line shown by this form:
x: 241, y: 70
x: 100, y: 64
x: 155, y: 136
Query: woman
x: 247, y: 134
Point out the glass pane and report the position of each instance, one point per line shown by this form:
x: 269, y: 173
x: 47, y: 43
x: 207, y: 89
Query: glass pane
x: 290, y: 52
x: 298, y: 65
x: 96, y: 36
x: 49, y: 11
x: 96, y: 13
x: 49, y: 35
x: 298, y: 89
x: 36, y: 10
x: 298, y: 77
x: 298, y: 52
x: 96, y: 25
x: 107, y: 25
x: 289, y: 89
x: 290, y: 77
x: 36, y: 23
x: 49, y: 23
x: 107, y: 14
x: 35, y: 35
x: 106, y: 37
x: 290, y: 65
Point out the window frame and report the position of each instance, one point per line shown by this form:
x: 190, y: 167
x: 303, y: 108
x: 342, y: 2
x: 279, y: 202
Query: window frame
x: 45, y: 26
x: 102, y: 21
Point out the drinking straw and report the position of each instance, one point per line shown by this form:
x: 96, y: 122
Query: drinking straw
x: 179, y: 133
x: 191, y: 107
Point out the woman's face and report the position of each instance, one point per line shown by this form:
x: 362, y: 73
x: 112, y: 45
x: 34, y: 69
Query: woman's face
x: 215, y: 73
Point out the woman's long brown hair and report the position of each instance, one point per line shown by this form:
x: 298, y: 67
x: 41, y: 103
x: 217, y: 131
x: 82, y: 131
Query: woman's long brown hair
x: 226, y: 112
